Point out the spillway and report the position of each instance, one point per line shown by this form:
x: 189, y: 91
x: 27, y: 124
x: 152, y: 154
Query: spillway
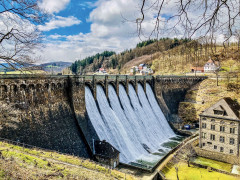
x: 157, y: 111
x: 131, y: 123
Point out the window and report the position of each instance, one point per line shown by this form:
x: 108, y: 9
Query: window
x: 221, y: 149
x: 222, y: 139
x: 215, y: 147
x: 232, y: 130
x: 203, y: 144
x: 204, y: 125
x: 231, y: 151
x: 222, y: 128
x: 204, y: 135
x: 231, y: 141
x: 212, y: 137
x: 212, y: 127
x: 224, y: 113
x: 217, y: 112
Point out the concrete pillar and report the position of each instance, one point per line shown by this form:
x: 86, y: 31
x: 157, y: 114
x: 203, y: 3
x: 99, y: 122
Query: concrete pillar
x: 94, y: 85
x: 127, y: 89
x: 106, y: 85
x: 117, y: 85
x: 144, y: 84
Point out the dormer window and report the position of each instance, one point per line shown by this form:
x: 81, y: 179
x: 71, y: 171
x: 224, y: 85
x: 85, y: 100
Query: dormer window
x: 220, y: 111
x: 217, y: 112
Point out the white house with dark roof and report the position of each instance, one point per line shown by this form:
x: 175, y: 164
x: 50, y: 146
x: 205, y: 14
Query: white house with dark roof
x: 211, y: 66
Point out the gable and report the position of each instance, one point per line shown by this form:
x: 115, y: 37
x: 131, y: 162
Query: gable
x: 222, y: 109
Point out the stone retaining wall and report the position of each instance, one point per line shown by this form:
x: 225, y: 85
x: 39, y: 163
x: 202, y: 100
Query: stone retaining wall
x: 217, y: 156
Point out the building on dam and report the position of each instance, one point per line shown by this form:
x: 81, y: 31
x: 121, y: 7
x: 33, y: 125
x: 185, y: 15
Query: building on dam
x: 219, y: 131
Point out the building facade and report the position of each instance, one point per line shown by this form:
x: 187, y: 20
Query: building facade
x: 219, y: 127
x: 211, y: 66
x: 105, y: 153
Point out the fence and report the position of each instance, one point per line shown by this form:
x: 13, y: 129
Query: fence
x: 90, y: 77
x: 108, y: 168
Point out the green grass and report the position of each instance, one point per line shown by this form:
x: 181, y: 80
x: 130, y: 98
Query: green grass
x: 194, y: 173
x: 35, y: 163
x: 214, y: 164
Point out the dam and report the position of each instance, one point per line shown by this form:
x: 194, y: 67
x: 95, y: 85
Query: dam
x: 67, y: 113
x: 135, y: 125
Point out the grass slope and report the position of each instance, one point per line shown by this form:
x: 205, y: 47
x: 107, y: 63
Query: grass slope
x: 214, y: 164
x: 23, y: 163
x: 194, y: 173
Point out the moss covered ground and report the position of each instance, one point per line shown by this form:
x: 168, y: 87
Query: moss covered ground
x: 214, y: 164
x: 23, y: 163
x: 194, y: 173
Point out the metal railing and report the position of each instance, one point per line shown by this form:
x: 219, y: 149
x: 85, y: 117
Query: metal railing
x: 90, y: 77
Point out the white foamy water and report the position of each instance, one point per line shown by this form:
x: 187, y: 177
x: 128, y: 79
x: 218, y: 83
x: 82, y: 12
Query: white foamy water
x: 158, y: 112
x: 131, y: 123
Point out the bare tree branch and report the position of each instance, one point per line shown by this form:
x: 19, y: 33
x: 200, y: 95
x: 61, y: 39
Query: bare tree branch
x: 18, y: 32
x: 194, y: 18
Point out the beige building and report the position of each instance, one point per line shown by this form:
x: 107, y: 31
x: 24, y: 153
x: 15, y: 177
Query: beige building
x: 219, y: 127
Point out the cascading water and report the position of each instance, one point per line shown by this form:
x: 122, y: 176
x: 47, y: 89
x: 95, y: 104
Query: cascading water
x: 95, y: 116
x: 134, y: 124
x: 162, y: 131
x: 119, y: 137
x: 157, y: 110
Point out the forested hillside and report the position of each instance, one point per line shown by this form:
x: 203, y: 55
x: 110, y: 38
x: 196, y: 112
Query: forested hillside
x: 165, y: 56
x: 112, y: 61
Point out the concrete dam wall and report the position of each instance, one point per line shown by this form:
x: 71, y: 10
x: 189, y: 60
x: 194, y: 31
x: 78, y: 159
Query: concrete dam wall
x: 50, y: 111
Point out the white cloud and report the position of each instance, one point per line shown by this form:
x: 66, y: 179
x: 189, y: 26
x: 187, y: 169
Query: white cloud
x: 53, y: 6
x: 22, y: 33
x: 58, y: 21
x: 87, y: 4
x: 113, y: 27
x: 108, y: 32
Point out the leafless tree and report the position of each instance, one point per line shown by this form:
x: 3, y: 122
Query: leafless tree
x: 194, y: 17
x: 176, y: 169
x: 237, y: 35
x: 18, y: 30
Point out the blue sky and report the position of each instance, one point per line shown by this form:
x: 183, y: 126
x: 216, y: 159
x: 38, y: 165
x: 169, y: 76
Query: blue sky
x: 80, y: 10
x: 80, y: 28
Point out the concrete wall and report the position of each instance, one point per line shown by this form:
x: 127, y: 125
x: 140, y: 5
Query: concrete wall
x: 170, y: 91
x: 50, y: 112
x: 217, y: 156
x: 36, y: 111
